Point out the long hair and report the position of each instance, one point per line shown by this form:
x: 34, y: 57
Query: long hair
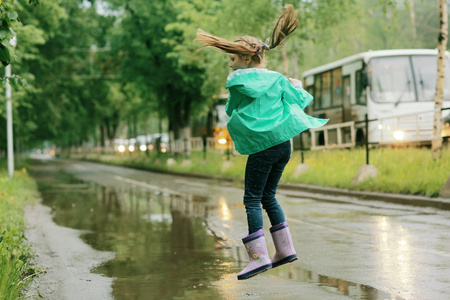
x: 286, y: 24
x: 251, y: 46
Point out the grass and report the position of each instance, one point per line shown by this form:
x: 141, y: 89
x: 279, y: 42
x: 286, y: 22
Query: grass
x: 15, y: 268
x: 400, y: 170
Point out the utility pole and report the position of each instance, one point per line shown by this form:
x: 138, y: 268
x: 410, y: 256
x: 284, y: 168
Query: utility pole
x: 9, y: 122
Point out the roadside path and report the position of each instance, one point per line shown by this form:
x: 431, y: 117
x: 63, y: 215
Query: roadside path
x: 66, y: 258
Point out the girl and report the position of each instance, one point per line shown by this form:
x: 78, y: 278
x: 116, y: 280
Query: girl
x: 266, y: 111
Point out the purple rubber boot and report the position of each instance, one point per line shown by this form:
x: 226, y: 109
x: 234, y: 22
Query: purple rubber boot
x: 259, y: 260
x: 285, y: 252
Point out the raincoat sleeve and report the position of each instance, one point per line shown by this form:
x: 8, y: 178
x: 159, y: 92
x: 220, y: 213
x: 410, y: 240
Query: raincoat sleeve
x: 232, y: 101
x: 296, y: 95
x: 229, y: 108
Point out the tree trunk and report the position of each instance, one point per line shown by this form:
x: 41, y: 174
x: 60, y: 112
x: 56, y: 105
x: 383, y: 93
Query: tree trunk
x: 102, y: 136
x: 436, y: 143
x: 186, y: 133
x: 285, y: 61
x: 295, y: 66
x: 110, y: 125
x: 412, y: 16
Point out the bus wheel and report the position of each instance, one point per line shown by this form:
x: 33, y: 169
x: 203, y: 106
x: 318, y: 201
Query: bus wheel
x: 360, y: 139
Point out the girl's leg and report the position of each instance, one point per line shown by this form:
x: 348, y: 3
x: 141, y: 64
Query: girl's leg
x: 256, y: 173
x: 268, y: 200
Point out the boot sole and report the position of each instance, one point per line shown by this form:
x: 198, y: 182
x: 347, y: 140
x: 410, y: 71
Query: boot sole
x: 254, y: 272
x: 285, y: 260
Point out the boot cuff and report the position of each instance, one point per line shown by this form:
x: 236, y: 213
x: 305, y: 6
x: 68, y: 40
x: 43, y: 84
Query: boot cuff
x: 253, y: 236
x: 278, y: 227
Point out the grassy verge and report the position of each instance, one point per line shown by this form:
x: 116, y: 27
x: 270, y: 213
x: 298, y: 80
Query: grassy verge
x: 400, y: 170
x: 15, y: 268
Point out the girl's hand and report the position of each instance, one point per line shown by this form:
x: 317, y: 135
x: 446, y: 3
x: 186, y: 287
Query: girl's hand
x: 296, y: 82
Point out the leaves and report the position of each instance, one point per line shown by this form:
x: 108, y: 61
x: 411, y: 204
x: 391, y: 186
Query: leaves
x: 5, y: 57
x: 12, y: 16
x: 90, y: 72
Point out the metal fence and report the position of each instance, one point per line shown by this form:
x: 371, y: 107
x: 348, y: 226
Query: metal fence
x: 407, y: 129
x: 401, y: 129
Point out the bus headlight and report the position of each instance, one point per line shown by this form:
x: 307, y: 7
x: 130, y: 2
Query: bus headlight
x: 399, y: 135
x: 121, y: 148
x: 131, y: 148
x: 142, y: 147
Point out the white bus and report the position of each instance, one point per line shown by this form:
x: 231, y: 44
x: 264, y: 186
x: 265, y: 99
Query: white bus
x: 395, y: 87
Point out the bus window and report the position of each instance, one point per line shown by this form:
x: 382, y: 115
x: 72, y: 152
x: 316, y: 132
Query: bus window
x: 326, y: 90
x: 392, y: 79
x: 360, y: 89
x: 425, y: 72
x: 337, y: 87
x: 317, y: 92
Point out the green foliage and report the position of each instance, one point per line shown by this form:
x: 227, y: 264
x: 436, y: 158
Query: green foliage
x: 92, y: 75
x: 372, y: 25
x: 155, y: 66
x: 15, y: 269
x: 7, y: 18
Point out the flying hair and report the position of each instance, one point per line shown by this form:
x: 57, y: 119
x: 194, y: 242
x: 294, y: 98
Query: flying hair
x: 286, y: 24
x: 212, y: 41
x: 250, y: 46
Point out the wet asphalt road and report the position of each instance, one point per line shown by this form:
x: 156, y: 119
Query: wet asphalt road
x: 180, y: 238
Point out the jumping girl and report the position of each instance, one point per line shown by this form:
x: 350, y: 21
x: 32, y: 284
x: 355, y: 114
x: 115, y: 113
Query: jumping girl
x: 266, y: 111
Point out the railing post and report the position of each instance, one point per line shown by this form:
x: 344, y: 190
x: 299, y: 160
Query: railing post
x: 367, y: 138
x: 301, y: 148
x: 204, y: 147
x: 186, y: 155
x: 313, y: 139
x: 228, y: 145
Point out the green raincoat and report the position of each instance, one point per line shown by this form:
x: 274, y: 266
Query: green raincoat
x: 265, y: 110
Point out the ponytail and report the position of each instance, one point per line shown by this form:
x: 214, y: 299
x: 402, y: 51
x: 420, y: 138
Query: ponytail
x: 212, y: 41
x: 286, y: 24
x: 251, y: 46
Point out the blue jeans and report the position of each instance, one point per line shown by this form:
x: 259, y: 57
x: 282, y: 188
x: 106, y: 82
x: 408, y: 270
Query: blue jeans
x: 262, y: 174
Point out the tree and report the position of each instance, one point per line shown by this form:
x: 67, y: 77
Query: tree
x: 90, y: 74
x: 439, y: 96
x: 28, y: 38
x: 8, y: 17
x: 165, y: 83
x: 72, y: 86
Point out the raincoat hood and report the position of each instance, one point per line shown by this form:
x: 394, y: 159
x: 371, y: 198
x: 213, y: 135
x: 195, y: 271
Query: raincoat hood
x: 253, y: 82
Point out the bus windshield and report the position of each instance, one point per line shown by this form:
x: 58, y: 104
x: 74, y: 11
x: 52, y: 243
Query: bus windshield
x: 398, y: 79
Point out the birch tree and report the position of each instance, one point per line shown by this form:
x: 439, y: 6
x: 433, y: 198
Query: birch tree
x: 439, y: 96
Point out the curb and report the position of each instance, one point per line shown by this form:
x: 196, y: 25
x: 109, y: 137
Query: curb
x: 413, y: 200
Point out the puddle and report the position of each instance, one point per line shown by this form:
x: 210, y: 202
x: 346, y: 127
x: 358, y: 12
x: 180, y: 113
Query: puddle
x: 336, y: 285
x: 163, y: 247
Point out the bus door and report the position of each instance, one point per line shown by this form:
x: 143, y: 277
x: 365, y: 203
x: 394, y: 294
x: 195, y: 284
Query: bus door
x: 346, y: 90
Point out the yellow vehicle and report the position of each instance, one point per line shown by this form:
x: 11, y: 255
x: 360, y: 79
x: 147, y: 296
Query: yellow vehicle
x: 223, y: 138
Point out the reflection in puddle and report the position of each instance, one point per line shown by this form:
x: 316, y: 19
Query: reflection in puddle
x: 334, y: 285
x: 161, y: 244
x: 163, y: 249
x: 395, y: 253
